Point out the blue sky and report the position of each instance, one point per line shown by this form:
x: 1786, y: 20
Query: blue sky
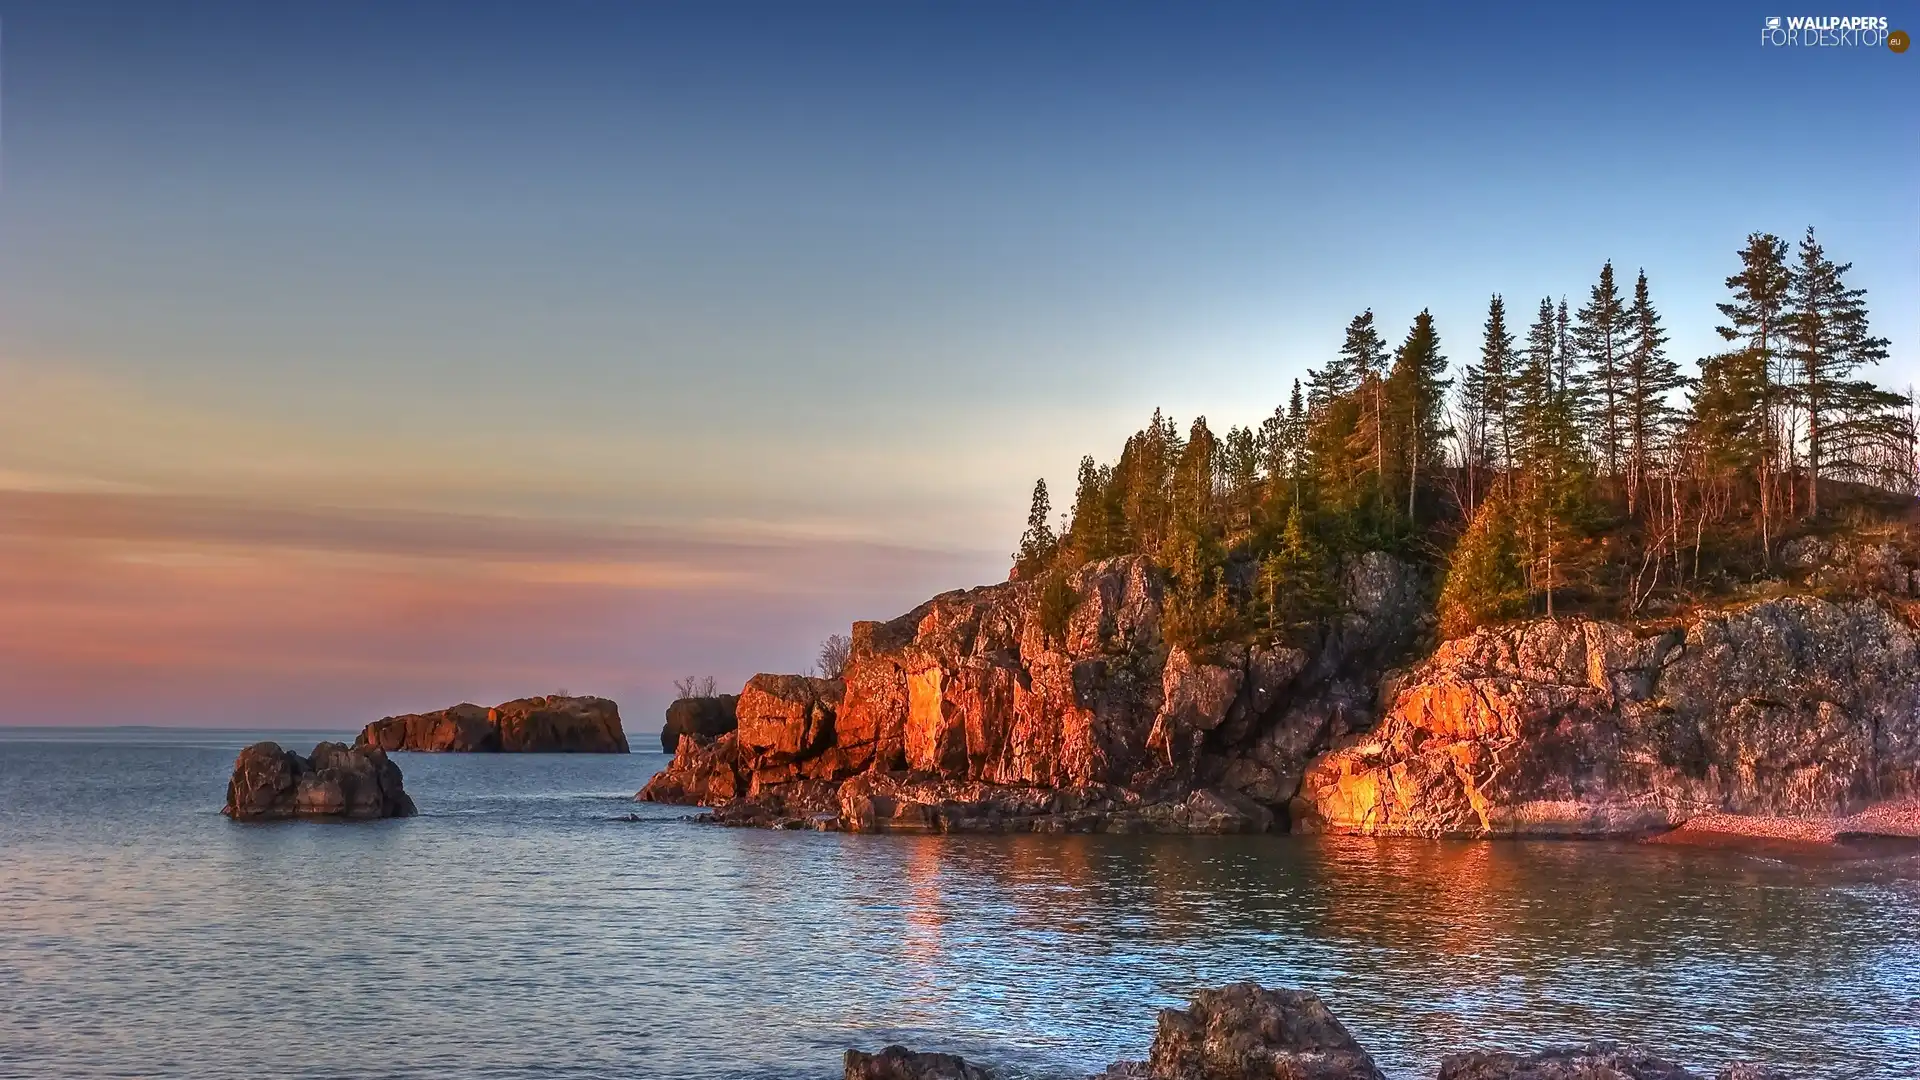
x: 807, y: 272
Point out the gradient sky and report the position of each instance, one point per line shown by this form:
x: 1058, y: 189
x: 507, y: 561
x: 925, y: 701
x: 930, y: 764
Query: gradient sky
x: 366, y: 358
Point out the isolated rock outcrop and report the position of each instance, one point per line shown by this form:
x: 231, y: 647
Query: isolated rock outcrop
x: 335, y: 782
x: 702, y: 717
x: 1575, y: 727
x: 535, y: 725
x: 979, y: 711
x: 1247, y: 1032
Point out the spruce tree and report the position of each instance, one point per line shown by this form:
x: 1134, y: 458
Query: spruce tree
x: 1551, y: 463
x: 1828, y: 341
x: 1600, y: 334
x: 1757, y: 317
x: 1499, y: 368
x: 1364, y: 354
x: 1037, y: 544
x: 1294, y: 582
x: 1650, y: 377
x: 1088, y: 532
x: 1484, y: 582
x: 1239, y: 469
x: 1417, y: 392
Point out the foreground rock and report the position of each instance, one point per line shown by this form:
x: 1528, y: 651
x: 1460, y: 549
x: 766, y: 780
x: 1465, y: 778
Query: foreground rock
x: 900, y: 1063
x: 704, y: 718
x: 535, y: 725
x: 1792, y: 708
x: 336, y: 782
x: 1247, y: 1032
x: 980, y: 711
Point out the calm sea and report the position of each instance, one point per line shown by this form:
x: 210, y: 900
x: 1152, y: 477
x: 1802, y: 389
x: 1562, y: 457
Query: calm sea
x: 524, y: 926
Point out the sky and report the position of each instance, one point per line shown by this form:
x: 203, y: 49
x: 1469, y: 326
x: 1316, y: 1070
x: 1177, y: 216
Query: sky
x: 366, y: 358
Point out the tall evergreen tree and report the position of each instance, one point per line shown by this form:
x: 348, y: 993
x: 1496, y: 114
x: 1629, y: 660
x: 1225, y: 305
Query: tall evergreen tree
x: 1600, y: 335
x: 1037, y: 544
x: 1417, y: 390
x: 1565, y: 364
x: 1757, y: 316
x: 1499, y: 367
x: 1828, y: 341
x: 1364, y: 355
x: 1088, y: 531
x: 1294, y: 583
x: 1649, y: 379
x: 1551, y: 463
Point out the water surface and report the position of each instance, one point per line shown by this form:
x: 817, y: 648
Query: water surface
x: 523, y: 927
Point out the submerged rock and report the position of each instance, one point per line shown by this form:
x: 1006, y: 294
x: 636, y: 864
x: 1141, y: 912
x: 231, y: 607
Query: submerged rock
x: 900, y: 1063
x: 535, y: 725
x: 355, y: 783
x: 1594, y: 1061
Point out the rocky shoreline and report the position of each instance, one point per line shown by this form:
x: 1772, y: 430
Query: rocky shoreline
x: 1246, y: 1032
x: 989, y: 710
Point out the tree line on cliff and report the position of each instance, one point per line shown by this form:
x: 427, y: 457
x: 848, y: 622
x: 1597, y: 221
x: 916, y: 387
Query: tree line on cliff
x: 1576, y: 461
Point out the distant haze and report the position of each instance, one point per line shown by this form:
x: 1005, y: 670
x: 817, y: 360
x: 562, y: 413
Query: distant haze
x: 358, y: 359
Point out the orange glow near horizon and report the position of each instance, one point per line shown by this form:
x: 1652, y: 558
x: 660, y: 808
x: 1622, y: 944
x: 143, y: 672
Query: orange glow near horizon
x: 132, y: 609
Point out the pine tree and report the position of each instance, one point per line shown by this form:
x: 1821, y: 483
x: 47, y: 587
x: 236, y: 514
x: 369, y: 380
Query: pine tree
x: 1239, y: 469
x: 1484, y: 583
x: 1037, y: 544
x: 1364, y: 355
x: 1417, y: 390
x: 1828, y: 340
x: 1757, y: 315
x: 1551, y: 463
x: 1565, y: 364
x: 1498, y: 370
x: 1649, y: 377
x: 1294, y: 582
x: 1088, y: 532
x: 1600, y: 334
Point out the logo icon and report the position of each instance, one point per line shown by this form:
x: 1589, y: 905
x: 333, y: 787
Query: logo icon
x: 1773, y: 23
x: 1898, y: 41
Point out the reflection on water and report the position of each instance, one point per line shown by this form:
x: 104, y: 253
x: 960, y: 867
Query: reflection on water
x: 523, y: 928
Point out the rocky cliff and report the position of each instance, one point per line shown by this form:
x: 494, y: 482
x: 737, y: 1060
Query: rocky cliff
x: 1793, y: 706
x: 335, y: 782
x: 980, y: 710
x: 536, y: 725
x: 990, y: 709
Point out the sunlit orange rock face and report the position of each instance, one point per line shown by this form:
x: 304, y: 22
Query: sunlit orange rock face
x: 551, y: 724
x: 1576, y: 727
x: 973, y: 711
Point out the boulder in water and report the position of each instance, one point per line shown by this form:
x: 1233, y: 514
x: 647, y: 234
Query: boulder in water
x: 900, y: 1063
x: 337, y: 781
x: 1247, y: 1032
